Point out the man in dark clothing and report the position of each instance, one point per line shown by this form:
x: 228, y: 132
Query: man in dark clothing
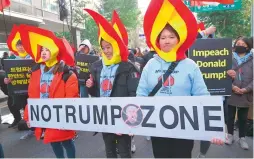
x: 5, y: 56
x: 84, y: 48
x: 148, y: 56
x: 131, y: 56
x: 16, y: 101
x: 118, y: 79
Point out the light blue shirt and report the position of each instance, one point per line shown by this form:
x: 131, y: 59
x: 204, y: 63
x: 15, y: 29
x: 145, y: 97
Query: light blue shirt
x: 186, y: 80
x: 45, y: 81
x: 107, y: 79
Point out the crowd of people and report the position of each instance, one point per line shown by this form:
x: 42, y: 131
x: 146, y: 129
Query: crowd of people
x: 122, y: 72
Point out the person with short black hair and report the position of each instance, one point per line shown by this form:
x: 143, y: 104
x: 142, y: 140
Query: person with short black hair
x: 16, y: 102
x: 242, y: 96
x: 113, y: 76
x: 184, y: 76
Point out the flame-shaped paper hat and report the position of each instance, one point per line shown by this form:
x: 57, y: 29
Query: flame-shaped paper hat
x: 109, y: 34
x: 13, y: 39
x: 119, y: 27
x: 176, y: 14
x: 34, y: 39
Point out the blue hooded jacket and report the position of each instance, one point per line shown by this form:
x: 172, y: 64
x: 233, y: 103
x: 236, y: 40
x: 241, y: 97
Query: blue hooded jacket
x: 186, y: 80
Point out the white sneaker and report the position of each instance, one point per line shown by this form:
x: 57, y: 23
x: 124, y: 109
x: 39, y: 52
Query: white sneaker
x: 200, y: 155
x: 230, y: 139
x: 133, y: 148
x: 243, y: 143
x: 30, y: 133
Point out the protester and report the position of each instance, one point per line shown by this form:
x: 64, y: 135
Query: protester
x: 131, y: 56
x: 16, y: 101
x: 242, y: 96
x: 5, y: 56
x: 148, y: 56
x: 52, y: 78
x: 84, y: 48
x: 2, y: 75
x: 139, y: 61
x: 113, y: 76
x: 184, y: 76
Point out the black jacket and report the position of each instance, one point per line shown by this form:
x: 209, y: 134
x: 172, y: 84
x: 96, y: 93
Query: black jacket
x: 125, y: 82
x: 131, y: 57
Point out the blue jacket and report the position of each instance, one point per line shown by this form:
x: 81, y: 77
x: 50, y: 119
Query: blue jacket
x: 186, y: 80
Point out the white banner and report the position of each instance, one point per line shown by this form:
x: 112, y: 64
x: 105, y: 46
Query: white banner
x: 196, y: 117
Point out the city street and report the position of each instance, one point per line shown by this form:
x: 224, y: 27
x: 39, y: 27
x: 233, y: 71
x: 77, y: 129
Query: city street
x: 89, y: 146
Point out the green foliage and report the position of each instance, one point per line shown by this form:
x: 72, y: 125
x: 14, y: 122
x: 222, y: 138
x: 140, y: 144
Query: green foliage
x: 127, y: 10
x: 90, y: 32
x: 230, y: 24
x: 67, y: 35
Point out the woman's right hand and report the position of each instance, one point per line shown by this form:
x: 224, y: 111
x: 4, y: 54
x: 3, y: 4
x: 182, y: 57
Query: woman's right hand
x: 231, y: 73
x: 237, y: 90
x: 7, y: 80
x: 89, y: 82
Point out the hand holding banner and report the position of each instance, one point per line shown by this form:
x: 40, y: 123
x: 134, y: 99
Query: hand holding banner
x: 198, y: 118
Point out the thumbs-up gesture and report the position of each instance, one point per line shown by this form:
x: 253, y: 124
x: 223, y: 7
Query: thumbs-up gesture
x: 89, y: 82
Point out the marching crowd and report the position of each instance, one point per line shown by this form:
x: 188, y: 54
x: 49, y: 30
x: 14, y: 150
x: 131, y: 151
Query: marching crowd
x: 122, y: 72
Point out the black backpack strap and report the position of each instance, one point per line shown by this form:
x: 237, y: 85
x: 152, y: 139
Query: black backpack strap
x: 66, y: 76
x: 67, y: 73
x: 35, y: 67
x: 171, y: 68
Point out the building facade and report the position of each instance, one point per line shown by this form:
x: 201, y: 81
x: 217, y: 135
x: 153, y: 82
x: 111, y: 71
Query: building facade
x: 40, y: 13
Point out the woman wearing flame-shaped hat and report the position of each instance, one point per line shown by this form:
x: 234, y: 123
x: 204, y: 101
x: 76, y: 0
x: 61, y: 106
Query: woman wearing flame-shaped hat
x: 171, y: 28
x: 51, y: 78
x: 16, y: 101
x: 113, y: 76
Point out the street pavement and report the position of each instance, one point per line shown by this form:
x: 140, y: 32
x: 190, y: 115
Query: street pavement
x: 89, y: 146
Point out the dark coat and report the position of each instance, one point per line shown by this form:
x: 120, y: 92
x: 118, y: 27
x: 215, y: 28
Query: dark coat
x: 125, y: 82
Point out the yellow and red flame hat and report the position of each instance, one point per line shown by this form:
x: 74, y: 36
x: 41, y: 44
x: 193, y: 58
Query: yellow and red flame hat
x: 109, y: 34
x: 119, y: 27
x: 175, y: 13
x: 34, y: 39
x: 12, y: 40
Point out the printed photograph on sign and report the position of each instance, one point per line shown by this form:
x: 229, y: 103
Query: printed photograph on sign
x: 198, y: 118
x: 132, y: 115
